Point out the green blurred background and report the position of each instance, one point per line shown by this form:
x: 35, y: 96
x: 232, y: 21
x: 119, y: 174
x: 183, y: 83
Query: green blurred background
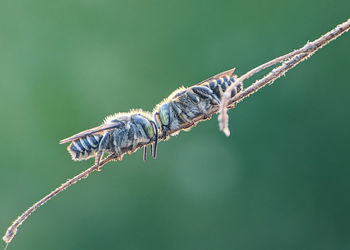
x: 281, y: 181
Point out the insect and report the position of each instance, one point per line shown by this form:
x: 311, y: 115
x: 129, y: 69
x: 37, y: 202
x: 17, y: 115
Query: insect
x: 185, y: 104
x: 120, y: 133
x: 126, y: 132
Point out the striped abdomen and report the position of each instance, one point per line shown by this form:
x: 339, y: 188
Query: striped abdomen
x: 84, y: 147
x: 219, y: 85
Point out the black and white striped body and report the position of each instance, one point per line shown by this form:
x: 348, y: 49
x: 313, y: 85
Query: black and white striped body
x: 85, y: 147
x: 120, y: 133
x: 186, y: 104
x: 219, y: 86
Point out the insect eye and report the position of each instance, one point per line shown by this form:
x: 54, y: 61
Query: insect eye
x: 164, y: 114
x: 145, y: 123
x: 148, y: 129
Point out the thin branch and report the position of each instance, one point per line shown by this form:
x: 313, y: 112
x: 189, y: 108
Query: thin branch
x: 292, y: 58
x: 11, y: 231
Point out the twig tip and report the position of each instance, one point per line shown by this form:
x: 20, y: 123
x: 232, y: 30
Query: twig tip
x: 226, y: 131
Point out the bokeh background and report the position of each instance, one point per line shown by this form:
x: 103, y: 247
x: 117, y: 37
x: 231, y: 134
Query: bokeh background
x: 281, y: 181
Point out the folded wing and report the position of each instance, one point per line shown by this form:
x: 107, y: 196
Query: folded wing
x: 92, y: 131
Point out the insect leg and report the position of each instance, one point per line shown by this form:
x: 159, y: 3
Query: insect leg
x: 118, y: 138
x: 192, y: 97
x: 206, y: 93
x: 180, y: 111
x: 98, y: 160
x: 154, y: 149
x: 145, y: 153
x: 101, y: 148
x: 151, y: 149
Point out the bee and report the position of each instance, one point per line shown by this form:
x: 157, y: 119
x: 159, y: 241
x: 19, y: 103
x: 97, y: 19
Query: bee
x: 119, y: 134
x: 179, y: 110
x: 123, y: 133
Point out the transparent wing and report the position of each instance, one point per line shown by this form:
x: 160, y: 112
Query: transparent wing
x: 225, y: 73
x: 92, y: 131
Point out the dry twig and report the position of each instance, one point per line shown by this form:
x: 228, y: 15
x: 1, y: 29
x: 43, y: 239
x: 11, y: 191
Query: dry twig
x: 12, y: 230
x: 292, y: 58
